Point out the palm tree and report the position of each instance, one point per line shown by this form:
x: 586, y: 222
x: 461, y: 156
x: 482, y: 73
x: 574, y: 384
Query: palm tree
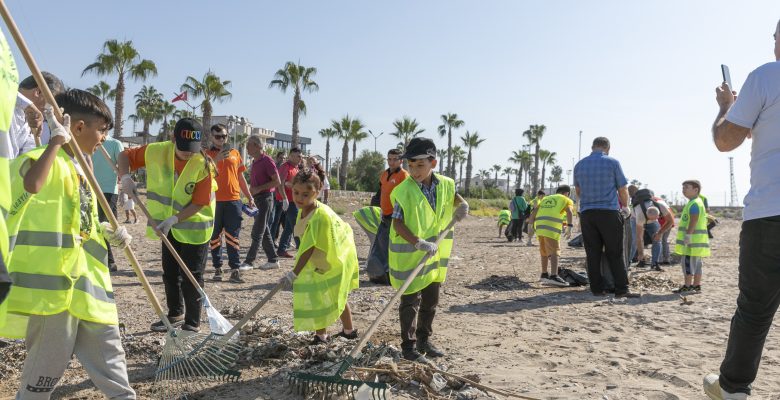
x: 526, y: 159
x: 299, y: 78
x: 546, y: 158
x: 212, y: 89
x: 496, y: 168
x: 103, y: 90
x: 167, y: 110
x: 556, y: 174
x: 328, y: 133
x: 121, y: 58
x: 406, y: 129
x: 459, y: 157
x: 508, y: 171
x: 441, y: 154
x: 148, y: 108
x: 346, y: 130
x: 449, y: 121
x: 472, y: 141
x: 534, y: 135
x: 357, y: 137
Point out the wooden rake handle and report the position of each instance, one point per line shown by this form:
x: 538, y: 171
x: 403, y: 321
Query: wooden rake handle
x: 162, y: 237
x: 370, y: 332
x: 74, y: 148
x: 251, y: 313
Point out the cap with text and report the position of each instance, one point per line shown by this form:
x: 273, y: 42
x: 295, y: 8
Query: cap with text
x: 187, y: 134
x: 420, y: 148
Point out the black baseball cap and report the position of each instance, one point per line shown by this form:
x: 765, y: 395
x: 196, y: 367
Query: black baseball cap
x: 187, y: 134
x: 420, y: 148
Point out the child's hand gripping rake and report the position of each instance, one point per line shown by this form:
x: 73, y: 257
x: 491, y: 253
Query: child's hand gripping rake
x: 175, y: 348
x: 305, y: 382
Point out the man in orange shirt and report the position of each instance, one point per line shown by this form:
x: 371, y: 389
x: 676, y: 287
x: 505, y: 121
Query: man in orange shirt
x: 377, y: 266
x: 227, y: 216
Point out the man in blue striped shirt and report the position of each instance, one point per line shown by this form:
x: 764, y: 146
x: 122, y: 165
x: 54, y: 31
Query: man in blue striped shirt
x: 601, y: 188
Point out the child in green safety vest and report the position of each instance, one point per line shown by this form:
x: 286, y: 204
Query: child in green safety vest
x: 369, y: 219
x: 549, y: 228
x: 423, y: 205
x: 533, y: 205
x: 326, y: 264
x: 504, y: 218
x: 693, y: 243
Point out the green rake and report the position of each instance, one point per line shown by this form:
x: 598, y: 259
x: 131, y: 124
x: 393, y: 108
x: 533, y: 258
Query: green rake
x: 330, y: 379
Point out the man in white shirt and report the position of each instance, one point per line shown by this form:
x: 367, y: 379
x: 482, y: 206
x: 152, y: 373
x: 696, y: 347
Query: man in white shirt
x: 756, y: 115
x: 29, y: 89
x: 21, y: 138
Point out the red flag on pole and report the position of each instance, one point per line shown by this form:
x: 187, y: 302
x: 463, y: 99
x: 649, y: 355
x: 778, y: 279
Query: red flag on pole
x: 182, y: 96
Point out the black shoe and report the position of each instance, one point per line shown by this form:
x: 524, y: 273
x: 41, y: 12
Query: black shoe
x: 628, y: 295
x: 217, y: 275
x: 665, y: 263
x: 351, y: 335
x: 112, y: 267
x: 414, y: 355
x: 656, y: 267
x: 190, y: 328
x: 641, y: 264
x: 599, y: 294
x: 696, y: 289
x: 318, y: 340
x: 235, y: 276
x: 684, y: 289
x: 159, y: 326
x: 427, y: 348
x: 544, y: 276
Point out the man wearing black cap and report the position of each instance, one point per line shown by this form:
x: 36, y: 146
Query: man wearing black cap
x: 423, y: 207
x: 180, y: 182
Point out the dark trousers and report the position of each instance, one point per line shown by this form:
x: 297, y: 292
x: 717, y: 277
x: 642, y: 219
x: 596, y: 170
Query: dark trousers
x: 289, y: 223
x: 517, y: 228
x: 111, y: 198
x: 417, y: 311
x: 277, y: 223
x: 603, y: 230
x: 180, y: 295
x: 261, y: 233
x: 377, y: 265
x: 227, y: 220
x: 759, y: 297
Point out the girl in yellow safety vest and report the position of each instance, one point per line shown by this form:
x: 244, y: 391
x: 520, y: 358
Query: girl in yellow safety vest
x: 326, y: 264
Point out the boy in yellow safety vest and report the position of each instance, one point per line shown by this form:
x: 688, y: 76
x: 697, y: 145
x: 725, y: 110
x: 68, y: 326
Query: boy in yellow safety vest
x: 692, y: 243
x: 549, y: 228
x: 326, y: 264
x: 504, y: 218
x: 62, y: 301
x: 423, y: 206
x: 533, y: 204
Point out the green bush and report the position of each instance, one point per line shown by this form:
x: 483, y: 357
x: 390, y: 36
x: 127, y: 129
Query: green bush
x: 363, y: 174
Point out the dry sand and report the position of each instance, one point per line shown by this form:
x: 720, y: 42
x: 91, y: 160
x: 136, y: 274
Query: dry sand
x: 494, y: 321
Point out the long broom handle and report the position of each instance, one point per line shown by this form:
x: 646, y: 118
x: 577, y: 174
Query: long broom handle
x: 74, y: 148
x: 162, y: 237
x: 398, y: 294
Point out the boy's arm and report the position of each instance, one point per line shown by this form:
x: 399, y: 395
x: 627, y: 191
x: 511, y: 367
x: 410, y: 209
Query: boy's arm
x: 694, y: 218
x: 569, y: 216
x: 36, y: 176
x: 532, y: 217
x: 302, y: 260
x: 404, y: 232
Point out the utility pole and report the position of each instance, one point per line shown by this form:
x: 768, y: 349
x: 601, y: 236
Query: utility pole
x: 734, y: 202
x: 579, y: 155
x: 375, y: 137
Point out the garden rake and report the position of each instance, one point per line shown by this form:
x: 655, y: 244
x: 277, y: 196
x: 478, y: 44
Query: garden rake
x: 217, y: 323
x: 175, y: 348
x: 331, y: 380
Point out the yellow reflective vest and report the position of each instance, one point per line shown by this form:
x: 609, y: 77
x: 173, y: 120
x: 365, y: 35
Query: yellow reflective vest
x: 167, y: 195
x: 700, y: 241
x: 368, y: 218
x: 504, y: 216
x: 53, y: 265
x: 9, y: 78
x: 548, y: 221
x: 425, y: 223
x: 321, y: 289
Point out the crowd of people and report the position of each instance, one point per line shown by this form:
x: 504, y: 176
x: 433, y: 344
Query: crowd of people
x: 196, y: 194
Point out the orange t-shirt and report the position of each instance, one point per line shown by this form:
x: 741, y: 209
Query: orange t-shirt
x: 200, y: 196
x: 387, y: 186
x: 228, y: 170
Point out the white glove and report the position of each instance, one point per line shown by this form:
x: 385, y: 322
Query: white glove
x: 128, y: 185
x: 118, y: 238
x: 567, y: 232
x: 461, y: 212
x: 285, y: 204
x: 687, y: 239
x: 426, y: 246
x: 287, y: 280
x: 625, y: 212
x: 55, y: 127
x: 166, y: 225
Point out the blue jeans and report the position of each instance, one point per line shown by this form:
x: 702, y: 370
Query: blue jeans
x: 277, y: 220
x: 651, y: 229
x: 289, y: 223
x: 227, y: 220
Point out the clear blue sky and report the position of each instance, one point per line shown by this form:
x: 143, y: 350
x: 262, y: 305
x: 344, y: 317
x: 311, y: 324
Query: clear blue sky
x: 641, y: 73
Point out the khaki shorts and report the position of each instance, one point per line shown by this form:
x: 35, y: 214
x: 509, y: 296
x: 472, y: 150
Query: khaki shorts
x: 548, y: 246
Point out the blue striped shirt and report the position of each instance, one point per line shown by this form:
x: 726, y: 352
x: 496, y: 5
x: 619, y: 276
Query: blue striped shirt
x: 598, y: 176
x: 428, y: 191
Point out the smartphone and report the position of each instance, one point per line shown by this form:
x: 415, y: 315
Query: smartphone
x: 724, y: 69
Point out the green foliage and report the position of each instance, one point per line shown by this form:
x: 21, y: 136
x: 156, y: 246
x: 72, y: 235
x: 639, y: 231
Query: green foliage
x: 486, y: 207
x: 333, y: 180
x: 365, y: 170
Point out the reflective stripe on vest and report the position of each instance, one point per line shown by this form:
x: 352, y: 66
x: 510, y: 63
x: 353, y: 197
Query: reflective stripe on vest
x: 700, y: 241
x: 51, y: 282
x: 368, y: 218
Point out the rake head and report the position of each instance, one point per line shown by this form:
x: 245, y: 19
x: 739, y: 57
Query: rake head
x: 331, y: 382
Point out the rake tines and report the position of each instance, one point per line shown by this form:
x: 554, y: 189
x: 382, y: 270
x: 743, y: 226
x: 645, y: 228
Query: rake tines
x: 305, y: 383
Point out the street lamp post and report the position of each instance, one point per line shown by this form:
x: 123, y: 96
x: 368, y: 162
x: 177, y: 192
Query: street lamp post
x: 375, y: 137
x: 579, y: 150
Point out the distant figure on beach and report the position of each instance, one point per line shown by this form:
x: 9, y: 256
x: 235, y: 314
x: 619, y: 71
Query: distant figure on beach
x: 756, y: 114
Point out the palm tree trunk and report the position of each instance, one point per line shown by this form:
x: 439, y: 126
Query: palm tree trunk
x: 450, y: 164
x: 327, y: 156
x: 296, y: 111
x: 343, y: 168
x: 354, y: 150
x: 146, y: 131
x: 468, y: 174
x: 119, y: 104
x: 496, y: 179
x: 507, y: 183
x: 461, y: 170
x: 536, y: 168
x: 441, y: 167
x: 543, y: 172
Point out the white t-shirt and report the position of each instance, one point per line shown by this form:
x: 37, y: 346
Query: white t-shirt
x: 640, y: 216
x: 758, y: 108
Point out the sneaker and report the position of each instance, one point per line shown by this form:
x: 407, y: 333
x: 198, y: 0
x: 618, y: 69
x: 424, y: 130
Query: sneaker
x: 545, y: 276
x: 270, y: 265
x: 427, y: 348
x: 656, y: 267
x: 414, y: 355
x: 217, y: 275
x: 159, y: 326
x: 665, y: 263
x: 190, y: 328
x: 713, y: 390
x: 318, y: 340
x: 641, y: 264
x: 696, y: 289
x: 235, y: 276
x: 628, y: 295
x: 246, y: 267
x: 112, y: 267
x: 555, y: 280
x: 285, y: 254
x: 351, y: 335
x: 683, y: 289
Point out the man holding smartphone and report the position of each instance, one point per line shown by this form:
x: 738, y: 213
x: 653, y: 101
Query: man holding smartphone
x: 227, y: 215
x: 756, y: 115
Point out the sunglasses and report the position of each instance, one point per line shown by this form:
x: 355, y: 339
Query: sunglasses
x: 220, y: 136
x: 393, y: 159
